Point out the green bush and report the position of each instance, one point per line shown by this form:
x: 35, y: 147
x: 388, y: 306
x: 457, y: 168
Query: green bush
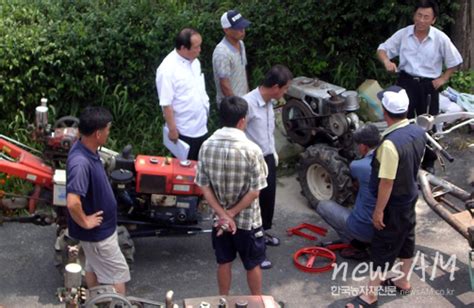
x: 463, y: 81
x: 83, y: 52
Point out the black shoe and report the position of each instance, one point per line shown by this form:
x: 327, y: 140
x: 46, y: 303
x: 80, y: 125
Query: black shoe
x: 359, y: 244
x: 430, y: 170
x: 354, y: 254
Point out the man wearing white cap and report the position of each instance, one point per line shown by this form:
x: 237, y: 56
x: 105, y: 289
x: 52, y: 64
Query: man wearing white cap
x: 393, y: 183
x: 229, y: 60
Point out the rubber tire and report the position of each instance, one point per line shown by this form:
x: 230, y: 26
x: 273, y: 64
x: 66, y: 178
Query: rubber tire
x: 335, y: 169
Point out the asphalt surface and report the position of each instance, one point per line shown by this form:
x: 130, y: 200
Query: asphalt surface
x: 186, y: 264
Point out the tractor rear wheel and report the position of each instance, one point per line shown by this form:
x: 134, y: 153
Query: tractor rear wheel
x: 324, y: 175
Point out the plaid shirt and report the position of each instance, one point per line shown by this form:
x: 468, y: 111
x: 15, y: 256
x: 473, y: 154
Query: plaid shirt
x: 232, y: 165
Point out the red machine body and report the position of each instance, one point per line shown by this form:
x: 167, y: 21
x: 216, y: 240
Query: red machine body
x: 25, y: 165
x: 162, y: 175
x: 63, y: 138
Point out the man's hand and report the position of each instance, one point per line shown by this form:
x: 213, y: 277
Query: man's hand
x: 390, y: 66
x: 225, y: 224
x: 230, y: 216
x: 232, y: 226
x: 173, y: 135
x: 94, y: 220
x: 377, y: 220
x: 438, y: 83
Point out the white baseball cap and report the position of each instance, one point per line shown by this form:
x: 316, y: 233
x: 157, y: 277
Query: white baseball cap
x: 394, y: 99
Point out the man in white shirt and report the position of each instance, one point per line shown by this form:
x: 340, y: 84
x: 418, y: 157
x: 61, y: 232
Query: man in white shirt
x: 229, y: 59
x: 260, y: 129
x: 422, y: 50
x: 182, y: 92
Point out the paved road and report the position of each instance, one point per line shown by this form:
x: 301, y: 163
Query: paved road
x: 186, y: 264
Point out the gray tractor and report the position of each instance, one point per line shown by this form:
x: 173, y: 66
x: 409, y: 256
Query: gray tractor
x: 321, y: 117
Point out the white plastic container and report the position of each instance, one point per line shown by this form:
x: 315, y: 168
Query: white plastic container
x: 59, y: 188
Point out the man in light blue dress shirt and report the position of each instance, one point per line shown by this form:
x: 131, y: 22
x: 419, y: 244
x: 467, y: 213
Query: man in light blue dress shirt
x: 260, y: 129
x: 423, y: 50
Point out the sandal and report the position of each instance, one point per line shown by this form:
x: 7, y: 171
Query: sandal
x: 266, y: 264
x: 271, y: 240
x: 389, y: 283
x: 358, y: 302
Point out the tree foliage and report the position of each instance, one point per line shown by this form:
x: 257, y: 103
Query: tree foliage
x: 79, y: 53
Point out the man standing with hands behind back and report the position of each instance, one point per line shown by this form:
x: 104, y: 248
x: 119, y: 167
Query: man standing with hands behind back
x: 229, y: 60
x: 231, y: 172
x: 182, y: 92
x: 422, y: 50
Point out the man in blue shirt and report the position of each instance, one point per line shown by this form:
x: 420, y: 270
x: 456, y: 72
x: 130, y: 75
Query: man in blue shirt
x: 91, y: 203
x: 355, y: 226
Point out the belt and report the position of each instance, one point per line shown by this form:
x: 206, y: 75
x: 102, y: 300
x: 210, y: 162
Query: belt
x: 404, y: 74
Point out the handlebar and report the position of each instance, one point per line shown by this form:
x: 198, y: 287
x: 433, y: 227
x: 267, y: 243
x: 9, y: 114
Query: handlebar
x: 428, y: 121
x: 439, y: 148
x: 447, y: 155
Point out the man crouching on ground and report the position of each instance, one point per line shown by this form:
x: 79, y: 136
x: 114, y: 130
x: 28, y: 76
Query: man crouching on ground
x: 91, y: 203
x: 231, y: 172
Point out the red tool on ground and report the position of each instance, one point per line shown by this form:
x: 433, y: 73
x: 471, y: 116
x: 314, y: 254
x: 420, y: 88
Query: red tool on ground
x: 305, y: 258
x: 316, y: 229
x: 312, y: 254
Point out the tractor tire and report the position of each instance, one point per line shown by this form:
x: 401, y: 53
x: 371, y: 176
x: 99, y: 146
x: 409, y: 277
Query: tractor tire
x: 324, y: 175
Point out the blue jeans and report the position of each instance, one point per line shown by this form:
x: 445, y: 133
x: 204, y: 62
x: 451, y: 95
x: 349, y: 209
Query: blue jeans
x: 336, y: 216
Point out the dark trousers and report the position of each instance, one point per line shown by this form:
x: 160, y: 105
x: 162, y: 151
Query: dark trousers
x: 397, y: 238
x: 420, y: 90
x: 267, y: 195
x: 194, y: 145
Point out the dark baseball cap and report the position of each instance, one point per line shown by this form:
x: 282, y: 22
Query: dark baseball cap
x: 234, y: 20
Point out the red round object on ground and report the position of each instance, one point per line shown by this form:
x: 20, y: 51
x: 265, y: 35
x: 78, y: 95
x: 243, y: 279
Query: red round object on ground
x: 312, y: 254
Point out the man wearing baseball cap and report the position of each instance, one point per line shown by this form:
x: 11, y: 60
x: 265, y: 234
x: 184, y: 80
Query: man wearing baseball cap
x: 229, y: 60
x: 393, y: 183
